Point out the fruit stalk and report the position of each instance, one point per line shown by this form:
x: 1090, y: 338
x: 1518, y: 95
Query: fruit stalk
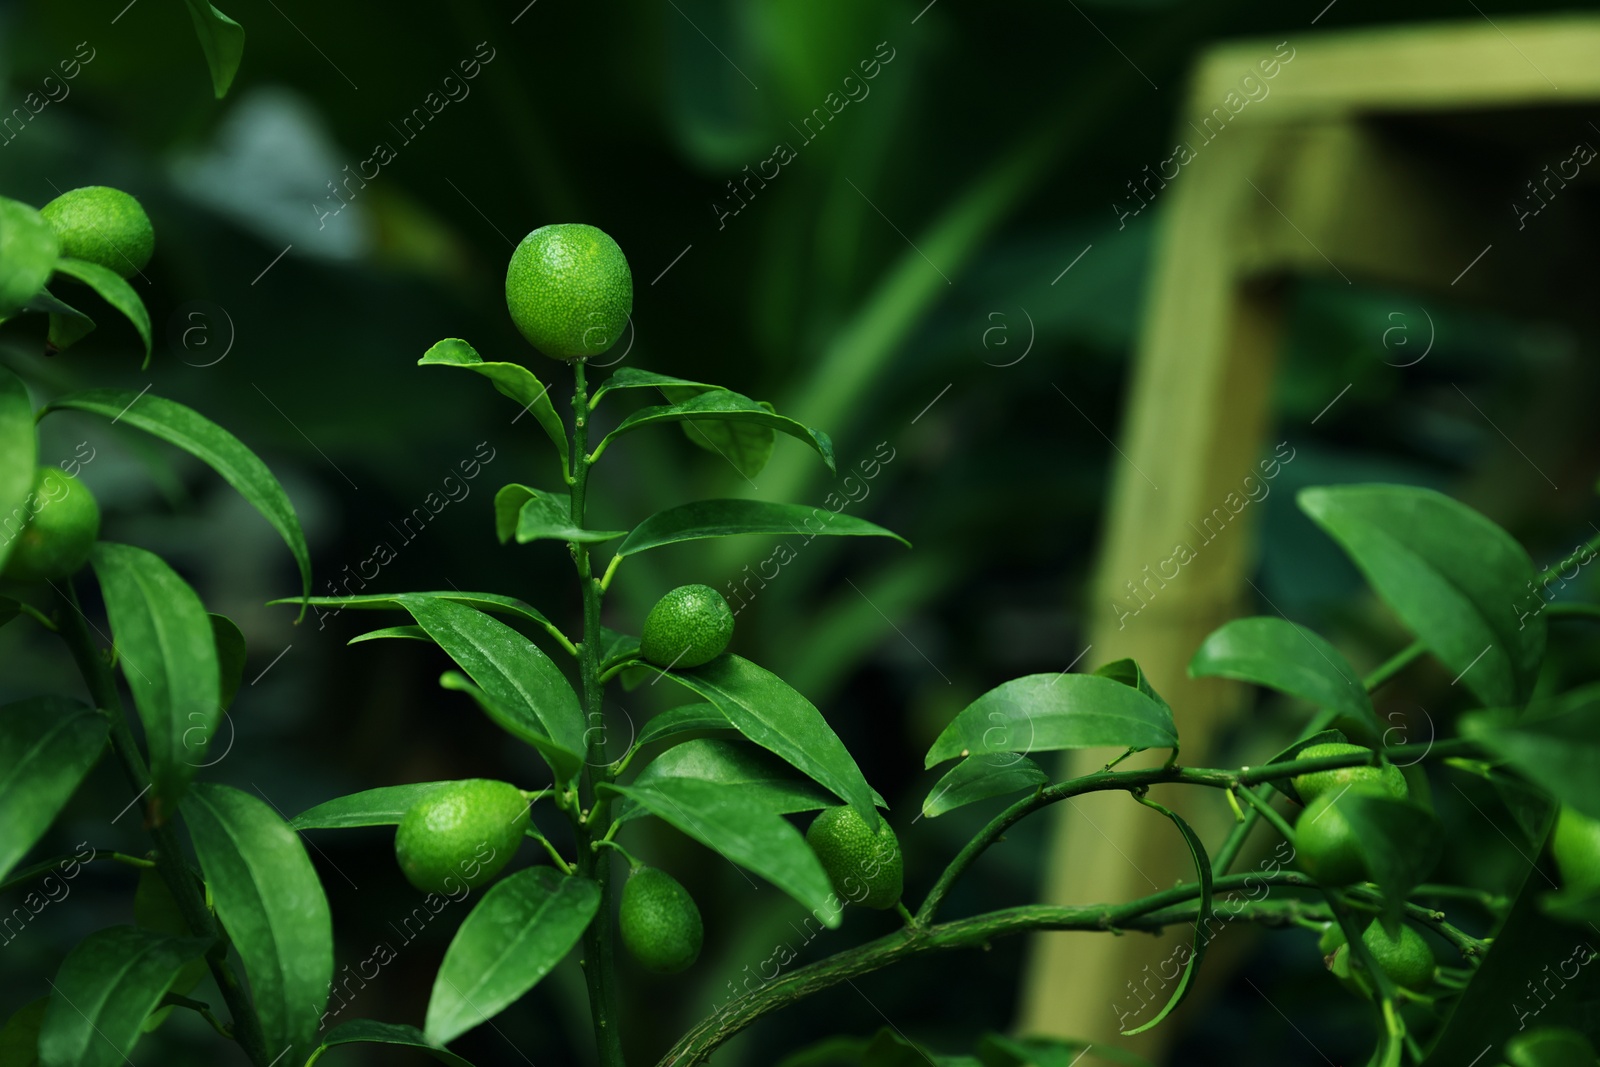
x: 102, y: 686
x: 599, y: 959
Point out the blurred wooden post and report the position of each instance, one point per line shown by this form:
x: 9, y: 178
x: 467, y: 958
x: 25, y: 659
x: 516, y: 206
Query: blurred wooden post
x: 1301, y: 181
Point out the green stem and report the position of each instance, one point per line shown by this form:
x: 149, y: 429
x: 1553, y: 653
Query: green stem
x: 173, y: 1000
x: 599, y: 960
x: 1394, y: 665
x: 1263, y: 808
x: 1178, y: 905
x: 559, y: 860
x: 36, y: 615
x: 168, y: 853
x: 29, y: 873
x: 1236, y: 838
x: 1102, y: 780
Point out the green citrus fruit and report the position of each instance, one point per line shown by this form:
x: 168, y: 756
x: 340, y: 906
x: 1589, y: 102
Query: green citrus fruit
x: 462, y: 832
x: 1325, y: 844
x: 689, y: 626
x: 104, y: 226
x: 1406, y: 958
x: 1576, y: 846
x: 659, y: 921
x: 56, y: 537
x: 569, y: 290
x: 1386, y: 778
x: 864, y: 866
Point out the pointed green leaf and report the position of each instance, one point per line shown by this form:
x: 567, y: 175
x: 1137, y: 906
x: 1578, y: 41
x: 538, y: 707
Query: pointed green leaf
x: 208, y: 442
x: 168, y: 655
x: 756, y: 839
x: 68, y: 325
x: 412, y: 633
x: 367, y: 1031
x: 47, y: 745
x: 765, y: 709
x: 1454, y: 578
x: 517, y: 720
x: 1276, y: 653
x: 722, y: 405
x: 384, y: 806
x: 270, y: 902
x: 690, y: 718
x: 515, y: 935
x: 760, y: 779
x: 512, y: 380
x: 229, y: 640
x: 493, y: 603
x: 745, y: 445
x: 513, y: 671
x: 1048, y: 712
x: 108, y: 984
x: 19, y: 443
x: 28, y: 253
x: 634, y: 378
x: 1202, y: 935
x: 221, y: 39
x: 1556, y: 745
x: 1130, y: 673
x: 616, y: 647
x: 548, y: 516
x: 982, y: 778
x: 114, y: 290
x: 728, y: 518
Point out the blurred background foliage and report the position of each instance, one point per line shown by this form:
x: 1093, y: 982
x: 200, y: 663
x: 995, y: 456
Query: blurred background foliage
x: 899, y: 281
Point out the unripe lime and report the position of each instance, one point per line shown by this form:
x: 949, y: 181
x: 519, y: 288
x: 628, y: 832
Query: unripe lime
x: 659, y: 922
x: 688, y: 627
x: 1325, y: 844
x: 864, y: 866
x: 1385, y: 779
x: 462, y: 832
x: 104, y: 226
x: 1405, y: 958
x: 1576, y: 846
x: 569, y: 290
x: 54, y: 540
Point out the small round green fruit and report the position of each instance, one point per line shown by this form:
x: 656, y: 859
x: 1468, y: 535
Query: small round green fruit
x: 659, y: 921
x: 865, y: 866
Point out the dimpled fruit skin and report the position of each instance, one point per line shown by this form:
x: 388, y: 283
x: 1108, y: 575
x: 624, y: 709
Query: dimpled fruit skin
x: 1576, y: 846
x: 689, y: 626
x: 104, y: 226
x: 1386, y: 779
x: 569, y: 290
x: 56, y: 539
x: 460, y: 832
x: 1407, y: 959
x: 865, y: 868
x: 1326, y: 846
x: 659, y: 921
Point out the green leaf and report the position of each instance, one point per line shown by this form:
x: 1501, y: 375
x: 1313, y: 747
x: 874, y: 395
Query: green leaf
x: 19, y: 1038
x: 47, y: 745
x: 107, y: 985
x: 1556, y: 745
x: 512, y: 380
x: 760, y: 779
x: 549, y: 517
x: 510, y: 669
x: 1130, y: 673
x: 745, y: 445
x: 493, y: 603
x: 19, y: 443
x: 367, y: 1031
x: 1399, y: 840
x: 1551, y: 1046
x: 68, y: 325
x: 168, y: 654
x: 728, y: 518
x: 616, y: 647
x: 722, y: 405
x: 982, y: 778
x: 521, y: 929
x: 689, y: 718
x: 634, y: 378
x: 413, y: 633
x: 764, y: 708
x: 516, y: 720
x: 114, y: 290
x: 752, y: 837
x: 384, y: 806
x: 1048, y: 712
x: 1452, y: 576
x: 155, y: 908
x: 28, y: 253
x: 208, y: 442
x: 221, y: 39
x: 270, y: 902
x: 229, y: 640
x: 1276, y: 653
x: 997, y: 1050
x: 1202, y: 935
